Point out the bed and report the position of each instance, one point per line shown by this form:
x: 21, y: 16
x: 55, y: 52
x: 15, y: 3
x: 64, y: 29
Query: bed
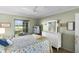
x: 29, y: 44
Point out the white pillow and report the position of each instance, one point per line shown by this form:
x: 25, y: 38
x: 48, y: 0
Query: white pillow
x: 9, y: 42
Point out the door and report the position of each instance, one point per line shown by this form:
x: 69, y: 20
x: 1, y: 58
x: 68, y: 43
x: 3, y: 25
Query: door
x: 77, y: 33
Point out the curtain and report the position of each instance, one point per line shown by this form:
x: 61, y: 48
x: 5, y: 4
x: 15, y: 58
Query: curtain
x: 25, y: 26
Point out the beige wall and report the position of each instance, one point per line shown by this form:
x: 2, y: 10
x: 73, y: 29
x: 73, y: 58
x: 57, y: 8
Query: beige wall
x: 10, y: 19
x: 68, y: 37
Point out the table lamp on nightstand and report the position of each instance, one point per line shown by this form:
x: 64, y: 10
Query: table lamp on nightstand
x: 2, y: 31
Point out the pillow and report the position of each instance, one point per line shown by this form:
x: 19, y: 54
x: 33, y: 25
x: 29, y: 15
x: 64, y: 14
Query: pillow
x: 9, y: 42
x: 3, y: 42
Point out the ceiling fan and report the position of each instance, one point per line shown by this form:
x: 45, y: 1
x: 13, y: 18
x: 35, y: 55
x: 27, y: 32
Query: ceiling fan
x: 35, y: 9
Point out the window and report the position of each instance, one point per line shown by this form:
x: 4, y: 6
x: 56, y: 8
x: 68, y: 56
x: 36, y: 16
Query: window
x: 21, y: 27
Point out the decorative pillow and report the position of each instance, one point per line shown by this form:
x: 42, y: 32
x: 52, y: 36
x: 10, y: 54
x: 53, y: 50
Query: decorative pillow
x: 9, y: 42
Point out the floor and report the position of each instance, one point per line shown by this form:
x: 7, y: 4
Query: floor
x: 60, y: 50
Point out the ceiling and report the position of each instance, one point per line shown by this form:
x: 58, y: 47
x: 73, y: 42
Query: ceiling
x: 35, y: 11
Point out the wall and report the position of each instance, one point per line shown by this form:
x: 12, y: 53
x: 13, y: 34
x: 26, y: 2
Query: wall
x: 68, y: 37
x: 10, y: 19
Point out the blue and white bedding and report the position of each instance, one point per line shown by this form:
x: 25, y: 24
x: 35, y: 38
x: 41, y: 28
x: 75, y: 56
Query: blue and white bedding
x: 29, y: 44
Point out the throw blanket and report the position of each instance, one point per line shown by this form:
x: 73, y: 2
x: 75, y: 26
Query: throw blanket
x: 4, y: 42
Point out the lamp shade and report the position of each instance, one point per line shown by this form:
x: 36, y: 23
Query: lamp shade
x: 2, y: 30
x: 5, y: 25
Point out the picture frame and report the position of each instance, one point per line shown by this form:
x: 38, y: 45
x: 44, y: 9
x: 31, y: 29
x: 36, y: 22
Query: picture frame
x: 71, y: 26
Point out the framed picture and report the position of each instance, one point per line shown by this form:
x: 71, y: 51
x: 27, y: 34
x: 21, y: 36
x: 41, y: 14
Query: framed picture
x: 71, y: 26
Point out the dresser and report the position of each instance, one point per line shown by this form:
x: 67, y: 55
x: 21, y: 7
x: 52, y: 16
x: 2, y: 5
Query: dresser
x: 54, y: 38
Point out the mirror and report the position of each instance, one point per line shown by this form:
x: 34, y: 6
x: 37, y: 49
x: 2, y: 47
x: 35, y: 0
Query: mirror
x: 50, y: 26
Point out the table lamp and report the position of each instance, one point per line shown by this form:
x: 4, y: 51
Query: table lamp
x: 2, y: 31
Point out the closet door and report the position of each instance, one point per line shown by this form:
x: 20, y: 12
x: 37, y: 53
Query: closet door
x: 77, y: 33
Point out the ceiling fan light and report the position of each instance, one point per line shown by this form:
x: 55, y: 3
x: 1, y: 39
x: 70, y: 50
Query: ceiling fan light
x: 35, y: 10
